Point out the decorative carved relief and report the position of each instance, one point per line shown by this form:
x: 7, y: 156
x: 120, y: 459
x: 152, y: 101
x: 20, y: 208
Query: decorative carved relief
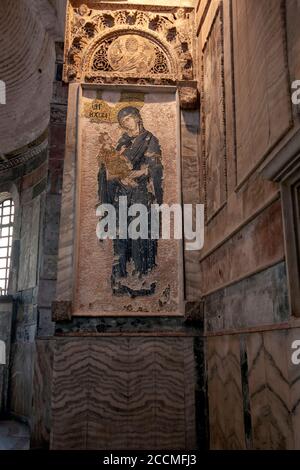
x: 61, y: 311
x: 131, y: 53
x: 188, y: 97
x: 131, y: 44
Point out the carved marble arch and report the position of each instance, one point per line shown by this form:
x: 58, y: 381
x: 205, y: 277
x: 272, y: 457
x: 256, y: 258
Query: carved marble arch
x: 128, y: 44
x: 129, y: 54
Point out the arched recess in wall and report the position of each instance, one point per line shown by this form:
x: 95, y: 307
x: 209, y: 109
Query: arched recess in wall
x: 159, y: 49
x: 9, y: 223
x: 129, y: 52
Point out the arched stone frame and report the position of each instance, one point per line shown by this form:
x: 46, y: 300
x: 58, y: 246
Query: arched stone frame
x: 150, y: 36
x: 169, y: 28
x: 9, y: 190
x: 4, y: 195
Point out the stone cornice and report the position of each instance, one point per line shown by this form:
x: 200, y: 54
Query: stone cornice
x: 25, y: 154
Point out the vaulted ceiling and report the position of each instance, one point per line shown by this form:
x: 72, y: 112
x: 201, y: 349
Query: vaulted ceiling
x: 28, y: 31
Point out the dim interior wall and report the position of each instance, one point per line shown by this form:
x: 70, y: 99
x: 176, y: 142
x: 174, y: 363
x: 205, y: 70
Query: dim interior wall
x: 247, y: 58
x: 43, y: 360
x: 139, y: 357
x: 190, y: 171
x: 41, y: 417
x: 233, y: 205
x: 51, y: 14
x: 34, y: 178
x: 28, y: 182
x: 51, y: 222
x: 259, y: 407
x: 142, y: 395
x: 27, y: 66
x: 6, y: 313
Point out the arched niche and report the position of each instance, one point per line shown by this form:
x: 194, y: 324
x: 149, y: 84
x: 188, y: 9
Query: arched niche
x: 129, y: 53
x: 167, y: 30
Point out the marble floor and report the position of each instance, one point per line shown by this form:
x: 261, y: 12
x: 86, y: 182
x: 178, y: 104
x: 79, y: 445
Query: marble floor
x: 13, y: 436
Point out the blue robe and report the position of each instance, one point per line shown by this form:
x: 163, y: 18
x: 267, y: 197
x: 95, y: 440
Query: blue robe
x: 141, y: 151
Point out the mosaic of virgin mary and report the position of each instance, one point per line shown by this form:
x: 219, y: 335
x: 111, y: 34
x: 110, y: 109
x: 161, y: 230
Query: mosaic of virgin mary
x: 132, y: 169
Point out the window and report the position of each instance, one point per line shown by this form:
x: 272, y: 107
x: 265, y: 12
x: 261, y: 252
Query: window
x: 6, y: 236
